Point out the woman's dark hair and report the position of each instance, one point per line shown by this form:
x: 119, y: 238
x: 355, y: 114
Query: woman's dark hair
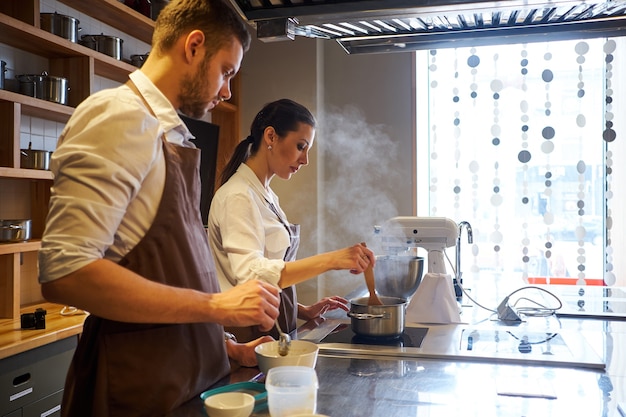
x: 283, y: 115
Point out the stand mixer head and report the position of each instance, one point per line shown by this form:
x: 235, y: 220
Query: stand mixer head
x: 435, y: 234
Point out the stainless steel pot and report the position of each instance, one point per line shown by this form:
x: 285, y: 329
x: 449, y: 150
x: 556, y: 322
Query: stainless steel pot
x: 138, y: 60
x: 35, y: 159
x: 31, y: 84
x: 55, y: 89
x: 385, y: 320
x: 44, y: 86
x: 108, y: 45
x: 60, y: 25
x: 14, y: 230
x: 3, y: 69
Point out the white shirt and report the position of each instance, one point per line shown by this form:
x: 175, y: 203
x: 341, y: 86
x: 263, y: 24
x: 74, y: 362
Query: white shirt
x: 247, y: 238
x: 109, y: 172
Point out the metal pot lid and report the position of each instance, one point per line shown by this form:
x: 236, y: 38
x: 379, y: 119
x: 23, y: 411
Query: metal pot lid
x: 59, y: 15
x: 31, y: 77
x: 101, y: 36
x: 54, y: 78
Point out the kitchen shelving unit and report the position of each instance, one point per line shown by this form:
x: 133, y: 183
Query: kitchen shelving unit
x: 19, y: 28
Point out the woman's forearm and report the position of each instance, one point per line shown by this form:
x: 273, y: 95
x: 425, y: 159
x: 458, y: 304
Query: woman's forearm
x: 354, y: 258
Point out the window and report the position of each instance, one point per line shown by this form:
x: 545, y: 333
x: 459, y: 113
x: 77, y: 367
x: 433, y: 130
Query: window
x: 526, y: 143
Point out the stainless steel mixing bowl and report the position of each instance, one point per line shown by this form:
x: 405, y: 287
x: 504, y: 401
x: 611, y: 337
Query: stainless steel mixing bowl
x: 398, y: 276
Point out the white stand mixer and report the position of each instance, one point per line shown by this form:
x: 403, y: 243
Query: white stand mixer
x: 434, y: 301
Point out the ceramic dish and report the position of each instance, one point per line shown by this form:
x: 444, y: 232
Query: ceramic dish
x: 256, y: 389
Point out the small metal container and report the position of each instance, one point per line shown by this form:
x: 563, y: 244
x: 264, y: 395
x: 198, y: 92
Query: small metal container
x: 12, y: 231
x: 385, y: 320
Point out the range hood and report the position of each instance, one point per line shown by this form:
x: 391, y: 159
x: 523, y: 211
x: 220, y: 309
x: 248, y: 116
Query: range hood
x: 371, y: 26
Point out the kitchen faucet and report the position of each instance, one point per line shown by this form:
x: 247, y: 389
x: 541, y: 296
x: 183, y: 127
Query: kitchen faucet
x: 458, y: 280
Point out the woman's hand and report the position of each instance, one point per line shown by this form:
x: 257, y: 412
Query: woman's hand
x: 243, y: 353
x: 356, y: 258
x: 321, y: 307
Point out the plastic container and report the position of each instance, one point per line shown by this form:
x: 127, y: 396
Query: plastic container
x: 291, y: 390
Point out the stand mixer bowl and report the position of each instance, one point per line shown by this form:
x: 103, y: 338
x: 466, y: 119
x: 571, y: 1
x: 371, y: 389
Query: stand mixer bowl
x: 398, y: 276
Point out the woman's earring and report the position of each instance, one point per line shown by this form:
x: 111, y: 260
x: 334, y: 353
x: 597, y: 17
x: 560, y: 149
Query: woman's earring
x: 269, y: 147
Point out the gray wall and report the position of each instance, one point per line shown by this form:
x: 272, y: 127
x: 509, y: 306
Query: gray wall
x: 361, y: 166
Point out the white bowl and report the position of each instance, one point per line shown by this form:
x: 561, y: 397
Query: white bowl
x: 229, y: 404
x: 301, y: 353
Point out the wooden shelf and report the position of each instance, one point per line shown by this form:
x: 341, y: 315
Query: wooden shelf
x: 117, y: 15
x: 39, y: 42
x: 20, y: 247
x: 14, y: 340
x: 38, y: 108
x: 28, y: 174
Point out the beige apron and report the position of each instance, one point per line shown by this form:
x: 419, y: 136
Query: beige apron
x: 288, y: 318
x: 128, y: 369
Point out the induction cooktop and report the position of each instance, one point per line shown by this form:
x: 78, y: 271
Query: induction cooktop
x: 411, y: 337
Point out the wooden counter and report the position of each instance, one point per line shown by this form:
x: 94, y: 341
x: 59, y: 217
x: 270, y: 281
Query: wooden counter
x: 14, y: 340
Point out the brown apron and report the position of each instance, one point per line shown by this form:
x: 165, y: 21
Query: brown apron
x: 129, y: 369
x: 288, y: 317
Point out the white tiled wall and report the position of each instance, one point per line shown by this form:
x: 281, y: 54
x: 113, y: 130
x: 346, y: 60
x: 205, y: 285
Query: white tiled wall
x: 42, y: 134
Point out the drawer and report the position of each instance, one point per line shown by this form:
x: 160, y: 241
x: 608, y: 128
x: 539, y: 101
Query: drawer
x: 49, y: 406
x: 33, y: 375
x: 16, y: 413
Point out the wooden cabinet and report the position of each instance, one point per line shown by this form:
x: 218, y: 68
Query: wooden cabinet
x: 19, y: 28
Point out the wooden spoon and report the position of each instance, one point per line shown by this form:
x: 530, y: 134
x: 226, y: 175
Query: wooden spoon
x: 371, y: 286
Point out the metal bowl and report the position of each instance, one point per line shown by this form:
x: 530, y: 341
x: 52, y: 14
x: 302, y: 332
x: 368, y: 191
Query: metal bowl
x: 398, y: 276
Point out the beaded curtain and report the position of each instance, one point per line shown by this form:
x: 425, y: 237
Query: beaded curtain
x: 521, y: 144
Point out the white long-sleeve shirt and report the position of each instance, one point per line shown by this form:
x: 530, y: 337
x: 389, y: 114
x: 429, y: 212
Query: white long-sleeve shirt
x: 247, y: 239
x: 109, y: 172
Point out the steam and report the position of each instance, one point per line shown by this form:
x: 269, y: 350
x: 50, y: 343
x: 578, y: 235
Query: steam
x: 361, y: 176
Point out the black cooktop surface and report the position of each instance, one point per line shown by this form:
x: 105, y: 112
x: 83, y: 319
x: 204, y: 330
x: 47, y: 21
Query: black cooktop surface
x: 411, y: 337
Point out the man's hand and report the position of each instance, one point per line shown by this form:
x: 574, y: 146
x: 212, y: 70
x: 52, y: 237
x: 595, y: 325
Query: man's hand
x: 243, y: 353
x: 252, y: 303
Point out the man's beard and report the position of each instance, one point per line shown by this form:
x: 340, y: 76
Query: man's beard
x: 193, y: 104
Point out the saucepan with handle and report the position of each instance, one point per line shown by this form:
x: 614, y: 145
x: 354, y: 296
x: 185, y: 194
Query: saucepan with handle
x: 12, y: 231
x: 35, y: 158
x: 386, y: 320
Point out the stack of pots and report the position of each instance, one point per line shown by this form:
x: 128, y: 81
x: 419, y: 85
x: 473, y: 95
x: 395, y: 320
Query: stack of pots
x: 108, y: 45
x: 60, y: 25
x: 44, y: 86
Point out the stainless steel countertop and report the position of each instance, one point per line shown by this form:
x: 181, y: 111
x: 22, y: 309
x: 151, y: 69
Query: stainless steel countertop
x: 439, y: 386
x: 375, y: 386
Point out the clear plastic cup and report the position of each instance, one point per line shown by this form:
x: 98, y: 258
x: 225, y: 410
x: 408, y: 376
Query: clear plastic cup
x: 291, y: 390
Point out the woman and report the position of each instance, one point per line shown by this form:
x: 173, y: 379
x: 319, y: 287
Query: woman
x: 249, y: 233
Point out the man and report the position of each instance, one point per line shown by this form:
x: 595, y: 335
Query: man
x: 124, y: 239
